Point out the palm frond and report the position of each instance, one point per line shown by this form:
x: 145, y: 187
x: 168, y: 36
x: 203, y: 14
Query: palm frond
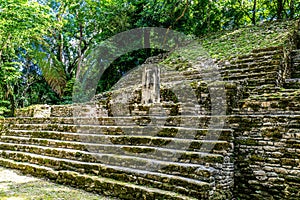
x: 53, y: 72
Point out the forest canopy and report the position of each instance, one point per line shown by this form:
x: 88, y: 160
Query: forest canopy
x: 42, y: 42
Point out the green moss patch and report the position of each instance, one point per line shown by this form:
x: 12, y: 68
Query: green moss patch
x: 234, y: 43
x: 227, y: 44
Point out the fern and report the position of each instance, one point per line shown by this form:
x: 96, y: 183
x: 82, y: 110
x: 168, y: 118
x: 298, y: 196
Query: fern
x: 53, y: 71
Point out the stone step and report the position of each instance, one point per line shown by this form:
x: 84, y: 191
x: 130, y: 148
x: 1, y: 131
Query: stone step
x: 296, y: 58
x: 296, y: 51
x: 87, y: 141
x: 283, y: 94
x: 252, y: 76
x: 200, y: 73
x: 283, y: 102
x: 228, y: 75
x: 135, y: 79
x: 69, y: 120
x: 257, y: 65
x: 279, y: 118
x: 184, y: 74
x: 163, y: 131
x: 191, y: 121
x: 294, y: 126
x: 201, y: 84
x: 181, y: 77
x: 98, y: 184
x: 263, y: 55
x: 258, y: 90
x: 290, y: 126
x: 262, y: 81
x: 178, y: 184
x: 292, y: 107
x: 292, y: 83
x: 295, y: 74
x: 160, y: 152
x: 295, y: 66
x: 188, y: 106
x: 196, y: 75
x: 293, y: 133
x: 267, y: 58
x: 188, y: 170
x: 250, y: 68
x: 266, y: 112
x: 166, y: 73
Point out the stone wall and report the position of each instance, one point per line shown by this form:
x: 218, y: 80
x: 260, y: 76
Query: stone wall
x: 267, y: 156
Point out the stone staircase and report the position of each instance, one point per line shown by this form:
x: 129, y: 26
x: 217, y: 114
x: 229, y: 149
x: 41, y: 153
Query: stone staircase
x: 166, y: 150
x: 278, y: 100
x: 267, y: 139
x: 136, y: 160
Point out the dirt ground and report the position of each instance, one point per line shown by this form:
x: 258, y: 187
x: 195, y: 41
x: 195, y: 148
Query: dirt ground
x: 15, y: 186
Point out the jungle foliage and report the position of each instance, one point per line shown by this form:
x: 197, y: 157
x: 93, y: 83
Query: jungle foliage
x: 43, y: 42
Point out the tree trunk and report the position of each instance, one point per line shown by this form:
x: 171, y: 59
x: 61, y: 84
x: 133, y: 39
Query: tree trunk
x: 254, y: 13
x: 60, y: 47
x: 279, y: 9
x: 79, y: 52
x: 292, y: 9
x: 12, y: 102
x: 11, y: 98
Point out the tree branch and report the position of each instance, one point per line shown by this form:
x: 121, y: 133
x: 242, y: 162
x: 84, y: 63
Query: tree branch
x: 177, y: 19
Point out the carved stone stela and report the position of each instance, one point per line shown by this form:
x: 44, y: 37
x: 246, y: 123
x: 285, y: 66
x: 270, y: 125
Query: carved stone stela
x: 151, y: 84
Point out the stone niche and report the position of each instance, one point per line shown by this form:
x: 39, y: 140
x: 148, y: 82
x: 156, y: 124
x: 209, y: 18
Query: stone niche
x: 151, y: 84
